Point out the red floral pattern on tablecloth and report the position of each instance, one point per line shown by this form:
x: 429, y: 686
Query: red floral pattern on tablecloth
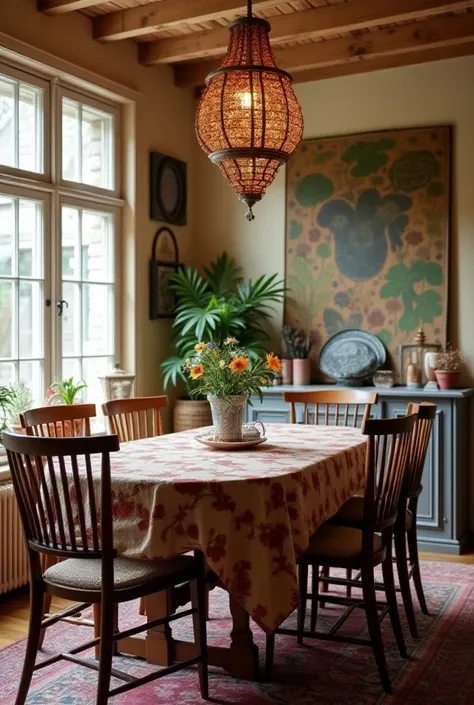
x: 250, y: 512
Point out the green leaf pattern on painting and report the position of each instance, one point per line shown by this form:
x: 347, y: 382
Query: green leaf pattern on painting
x: 413, y: 170
x: 367, y: 157
x: 418, y: 307
x: 385, y: 336
x: 313, y: 189
x: 296, y: 229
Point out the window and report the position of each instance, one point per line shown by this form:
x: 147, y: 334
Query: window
x: 57, y: 292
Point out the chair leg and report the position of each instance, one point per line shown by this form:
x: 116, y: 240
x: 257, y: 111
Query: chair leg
x: 404, y: 580
x: 269, y: 652
x: 314, y: 598
x: 107, y: 624
x: 324, y: 585
x: 373, y: 625
x: 349, y: 577
x: 32, y: 646
x: 389, y: 582
x: 198, y: 601
x: 46, y: 562
x: 415, y: 562
x: 303, y: 586
x: 142, y: 607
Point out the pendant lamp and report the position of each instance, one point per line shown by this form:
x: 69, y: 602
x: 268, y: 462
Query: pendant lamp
x: 249, y: 121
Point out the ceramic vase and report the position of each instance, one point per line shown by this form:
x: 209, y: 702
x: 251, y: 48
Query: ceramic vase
x: 287, y: 371
x: 227, y: 417
x: 430, y: 361
x: 447, y: 379
x: 301, y: 372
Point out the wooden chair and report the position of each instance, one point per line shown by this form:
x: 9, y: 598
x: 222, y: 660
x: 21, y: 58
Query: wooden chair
x: 135, y: 418
x: 44, y: 470
x: 351, y: 514
x: 333, y: 407
x: 362, y: 548
x: 60, y: 421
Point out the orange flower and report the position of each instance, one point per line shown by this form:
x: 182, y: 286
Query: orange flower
x: 239, y: 364
x: 273, y: 363
x: 196, y: 371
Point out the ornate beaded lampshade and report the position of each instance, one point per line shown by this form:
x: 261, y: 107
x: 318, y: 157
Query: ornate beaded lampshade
x: 249, y: 121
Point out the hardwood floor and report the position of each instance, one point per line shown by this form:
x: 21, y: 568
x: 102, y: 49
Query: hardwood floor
x: 14, y: 611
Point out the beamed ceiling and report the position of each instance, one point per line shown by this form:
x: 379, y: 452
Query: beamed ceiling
x: 313, y: 39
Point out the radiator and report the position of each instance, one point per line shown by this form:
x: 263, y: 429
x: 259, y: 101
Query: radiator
x: 13, y: 558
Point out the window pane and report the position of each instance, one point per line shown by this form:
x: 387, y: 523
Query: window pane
x: 97, y: 319
x: 71, y: 239
x: 71, y: 319
x: 97, y: 247
x: 7, y: 235
x: 7, y: 373
x: 30, y: 321
x: 97, y: 130
x: 71, y: 368
x: 30, y: 112
x: 30, y: 255
x: 71, y: 140
x: 7, y: 122
x: 31, y: 373
x: 92, y: 369
x: 7, y: 319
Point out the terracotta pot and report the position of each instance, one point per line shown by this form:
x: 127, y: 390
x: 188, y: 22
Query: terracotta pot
x: 447, y: 379
x: 287, y: 371
x: 301, y: 372
x: 191, y: 413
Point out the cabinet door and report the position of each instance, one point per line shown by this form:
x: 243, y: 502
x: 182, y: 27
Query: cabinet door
x: 271, y: 410
x: 434, y: 505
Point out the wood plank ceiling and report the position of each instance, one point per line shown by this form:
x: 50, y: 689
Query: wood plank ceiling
x: 313, y: 39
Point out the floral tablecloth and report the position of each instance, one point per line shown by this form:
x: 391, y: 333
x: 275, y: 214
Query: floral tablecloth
x: 251, y: 512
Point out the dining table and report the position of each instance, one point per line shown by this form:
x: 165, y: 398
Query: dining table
x: 251, y: 513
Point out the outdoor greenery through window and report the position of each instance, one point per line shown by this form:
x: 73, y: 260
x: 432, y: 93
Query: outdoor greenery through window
x: 59, y: 230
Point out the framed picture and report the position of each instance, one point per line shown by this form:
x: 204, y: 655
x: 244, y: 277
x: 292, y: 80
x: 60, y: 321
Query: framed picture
x: 168, y: 189
x: 367, y: 234
x: 164, y: 263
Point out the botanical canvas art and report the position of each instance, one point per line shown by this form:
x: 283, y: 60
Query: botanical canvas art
x: 367, y: 236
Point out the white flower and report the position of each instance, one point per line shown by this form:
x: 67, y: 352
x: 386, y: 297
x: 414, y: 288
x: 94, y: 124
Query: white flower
x: 222, y: 364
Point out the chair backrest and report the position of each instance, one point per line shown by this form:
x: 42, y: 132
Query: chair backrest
x: 333, y: 407
x: 56, y: 493
x: 388, y: 448
x: 61, y: 421
x: 426, y: 414
x: 135, y: 418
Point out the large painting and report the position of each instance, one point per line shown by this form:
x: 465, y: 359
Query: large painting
x: 367, y: 236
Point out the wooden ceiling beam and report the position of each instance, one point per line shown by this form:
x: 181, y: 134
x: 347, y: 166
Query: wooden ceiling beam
x: 59, y: 7
x: 418, y: 36
x: 385, y: 62
x: 138, y: 21
x: 316, y: 22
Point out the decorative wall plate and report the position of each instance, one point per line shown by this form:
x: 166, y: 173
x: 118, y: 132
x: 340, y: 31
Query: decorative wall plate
x: 168, y: 190
x: 351, y: 357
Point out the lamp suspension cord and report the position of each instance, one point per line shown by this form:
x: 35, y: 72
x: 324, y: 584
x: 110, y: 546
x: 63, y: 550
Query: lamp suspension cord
x: 249, y: 9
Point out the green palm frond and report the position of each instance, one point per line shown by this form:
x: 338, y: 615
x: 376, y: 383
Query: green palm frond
x: 190, y: 287
x: 224, y: 275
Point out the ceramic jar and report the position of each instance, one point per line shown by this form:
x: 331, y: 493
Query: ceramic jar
x: 301, y: 372
x: 287, y: 371
x: 227, y: 417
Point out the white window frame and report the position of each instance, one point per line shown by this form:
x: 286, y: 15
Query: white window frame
x: 45, y: 86
x: 104, y: 107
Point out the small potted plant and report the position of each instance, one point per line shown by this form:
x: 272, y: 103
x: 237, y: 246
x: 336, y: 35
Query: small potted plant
x: 66, y: 391
x: 6, y: 398
x: 298, y: 346
x: 21, y: 400
x: 228, y: 375
x: 448, y: 366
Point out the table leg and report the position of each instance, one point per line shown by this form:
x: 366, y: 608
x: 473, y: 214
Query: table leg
x: 243, y: 652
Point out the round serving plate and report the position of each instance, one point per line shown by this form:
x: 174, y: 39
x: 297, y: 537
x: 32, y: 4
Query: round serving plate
x: 208, y: 441
x: 351, y: 357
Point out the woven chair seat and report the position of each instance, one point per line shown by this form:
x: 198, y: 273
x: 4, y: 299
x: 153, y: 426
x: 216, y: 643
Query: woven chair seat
x: 338, y: 543
x: 86, y: 574
x: 353, y: 510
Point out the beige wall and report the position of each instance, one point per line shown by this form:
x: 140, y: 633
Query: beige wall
x: 435, y: 93
x: 163, y: 123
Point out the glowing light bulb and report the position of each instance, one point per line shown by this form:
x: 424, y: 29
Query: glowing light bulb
x: 246, y: 100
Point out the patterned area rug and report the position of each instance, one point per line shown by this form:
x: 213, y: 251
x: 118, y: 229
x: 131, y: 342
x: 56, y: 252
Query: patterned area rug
x: 440, y: 670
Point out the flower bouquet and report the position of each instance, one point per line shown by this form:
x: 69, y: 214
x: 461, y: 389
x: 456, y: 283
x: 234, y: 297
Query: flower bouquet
x: 228, y: 375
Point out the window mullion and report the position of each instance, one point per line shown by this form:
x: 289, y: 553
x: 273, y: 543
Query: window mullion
x: 16, y: 273
x: 16, y: 123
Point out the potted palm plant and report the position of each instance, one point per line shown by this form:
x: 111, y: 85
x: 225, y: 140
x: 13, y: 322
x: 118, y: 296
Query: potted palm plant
x: 212, y: 307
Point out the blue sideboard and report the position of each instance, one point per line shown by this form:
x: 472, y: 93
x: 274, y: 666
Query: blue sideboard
x: 443, y: 509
